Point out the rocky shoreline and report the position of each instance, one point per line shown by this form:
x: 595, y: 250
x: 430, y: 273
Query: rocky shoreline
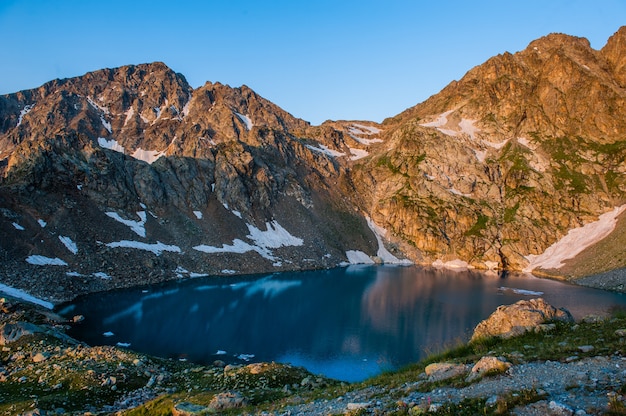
x: 526, y: 359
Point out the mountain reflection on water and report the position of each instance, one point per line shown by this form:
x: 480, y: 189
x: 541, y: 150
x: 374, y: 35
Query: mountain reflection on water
x: 348, y: 323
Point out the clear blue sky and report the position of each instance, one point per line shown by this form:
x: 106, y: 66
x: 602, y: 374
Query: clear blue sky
x: 319, y: 60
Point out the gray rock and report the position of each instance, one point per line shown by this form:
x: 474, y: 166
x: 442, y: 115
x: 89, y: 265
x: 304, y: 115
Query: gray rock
x: 12, y: 332
x: 189, y: 409
x: 492, y: 401
x: 357, y: 406
x: 227, y: 400
x: 559, y: 409
x: 488, y: 365
x: 444, y: 371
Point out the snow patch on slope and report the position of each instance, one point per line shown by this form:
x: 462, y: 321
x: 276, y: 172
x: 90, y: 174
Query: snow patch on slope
x: 325, y: 150
x: 274, y: 236
x: 442, y: 120
x: 358, y: 257
x: 383, y: 253
x: 356, y: 130
x: 245, y: 120
x: 69, y: 244
x: 130, y: 113
x: 358, y: 154
x: 575, y: 241
x: 148, y: 156
x: 363, y: 129
x: 110, y: 144
x: 102, y: 111
x: 24, y: 111
x: 157, y: 248
x: 137, y: 226
x: 38, y: 260
x: 20, y: 294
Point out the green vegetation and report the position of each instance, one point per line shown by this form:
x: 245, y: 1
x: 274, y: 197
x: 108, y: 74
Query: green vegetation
x: 481, y: 224
x: 510, y: 212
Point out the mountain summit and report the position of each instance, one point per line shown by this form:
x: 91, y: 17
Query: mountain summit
x: 129, y: 176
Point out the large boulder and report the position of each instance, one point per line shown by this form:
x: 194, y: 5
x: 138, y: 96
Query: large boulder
x: 512, y: 320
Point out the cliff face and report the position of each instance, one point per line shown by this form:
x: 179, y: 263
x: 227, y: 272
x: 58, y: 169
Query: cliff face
x: 502, y: 163
x: 129, y: 176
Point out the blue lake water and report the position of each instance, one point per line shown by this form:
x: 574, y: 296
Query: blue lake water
x: 346, y: 323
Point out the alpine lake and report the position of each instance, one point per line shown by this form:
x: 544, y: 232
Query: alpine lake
x: 347, y: 323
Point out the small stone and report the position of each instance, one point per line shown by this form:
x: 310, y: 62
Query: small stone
x: 444, y: 371
x: 571, y: 358
x: 492, y: 401
x: 39, y: 357
x: 357, y: 406
x: 488, y: 365
x: 109, y: 381
x: 559, y: 409
x: 230, y: 367
x: 586, y: 348
x: 592, y: 319
x: 620, y: 333
x: 545, y: 327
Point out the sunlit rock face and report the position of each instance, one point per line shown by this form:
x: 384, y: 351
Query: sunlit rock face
x: 504, y: 162
x: 129, y: 175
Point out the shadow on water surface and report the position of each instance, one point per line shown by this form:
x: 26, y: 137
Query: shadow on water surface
x: 347, y: 323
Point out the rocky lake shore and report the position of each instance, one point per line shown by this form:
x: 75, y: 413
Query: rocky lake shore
x: 539, y: 361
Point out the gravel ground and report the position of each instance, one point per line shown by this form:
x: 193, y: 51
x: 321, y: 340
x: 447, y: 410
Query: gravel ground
x: 579, y: 387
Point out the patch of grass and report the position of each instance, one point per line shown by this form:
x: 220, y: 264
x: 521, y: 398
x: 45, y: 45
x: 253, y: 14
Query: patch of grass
x: 481, y: 224
x: 510, y: 212
x: 385, y: 161
x: 502, y: 406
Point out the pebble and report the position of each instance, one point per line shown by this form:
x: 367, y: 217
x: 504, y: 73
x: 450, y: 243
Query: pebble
x: 357, y: 406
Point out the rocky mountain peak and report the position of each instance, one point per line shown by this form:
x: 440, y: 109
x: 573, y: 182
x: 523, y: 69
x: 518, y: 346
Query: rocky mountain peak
x: 132, y: 163
x: 615, y: 53
x: 511, y: 132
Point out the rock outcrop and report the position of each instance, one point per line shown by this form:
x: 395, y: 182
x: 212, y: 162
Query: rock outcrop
x: 505, y: 161
x: 512, y: 320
